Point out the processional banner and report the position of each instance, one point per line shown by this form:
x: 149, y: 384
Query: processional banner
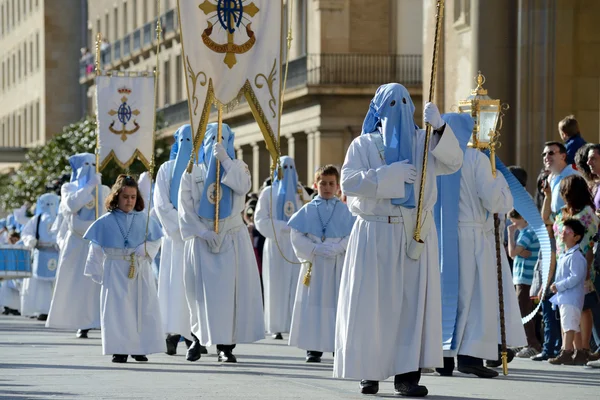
x: 125, y: 115
x: 232, y: 50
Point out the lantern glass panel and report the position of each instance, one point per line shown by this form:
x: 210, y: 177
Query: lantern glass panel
x: 488, y: 117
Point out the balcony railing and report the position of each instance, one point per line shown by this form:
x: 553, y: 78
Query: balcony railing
x: 334, y: 70
x: 137, y: 40
x: 126, y: 46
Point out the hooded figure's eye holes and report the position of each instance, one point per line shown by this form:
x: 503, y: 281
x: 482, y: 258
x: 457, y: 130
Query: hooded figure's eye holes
x: 404, y: 100
x: 393, y: 103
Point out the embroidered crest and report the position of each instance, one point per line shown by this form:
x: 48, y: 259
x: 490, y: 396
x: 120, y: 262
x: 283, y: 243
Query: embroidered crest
x: 230, y: 14
x: 212, y: 193
x: 289, y: 209
x: 52, y: 264
x: 124, y: 113
x: 91, y: 205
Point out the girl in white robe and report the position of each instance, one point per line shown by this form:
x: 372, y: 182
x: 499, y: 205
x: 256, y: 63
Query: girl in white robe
x: 389, y: 309
x: 276, y: 204
x: 123, y: 243
x: 320, y: 232
x: 221, y: 276
x: 76, y: 300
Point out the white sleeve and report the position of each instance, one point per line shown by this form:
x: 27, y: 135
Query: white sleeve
x: 303, y: 246
x: 494, y: 193
x: 94, y: 264
x: 166, y: 212
x: 447, y: 152
x: 28, y: 233
x: 359, y: 180
x: 237, y: 176
x: 189, y: 221
x: 262, y: 217
x: 75, y: 199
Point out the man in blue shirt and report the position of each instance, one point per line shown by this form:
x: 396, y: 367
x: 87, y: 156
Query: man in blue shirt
x: 568, y: 129
x: 555, y: 161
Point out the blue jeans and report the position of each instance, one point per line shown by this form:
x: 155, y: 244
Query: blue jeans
x: 552, y: 335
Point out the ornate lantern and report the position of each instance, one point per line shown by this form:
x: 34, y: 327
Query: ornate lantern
x: 487, y: 115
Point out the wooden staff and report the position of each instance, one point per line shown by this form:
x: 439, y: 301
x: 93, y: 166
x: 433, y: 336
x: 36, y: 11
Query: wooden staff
x: 217, y: 179
x: 436, y: 45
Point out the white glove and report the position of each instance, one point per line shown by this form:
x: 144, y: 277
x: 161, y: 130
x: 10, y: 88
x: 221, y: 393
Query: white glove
x: 140, y: 251
x: 406, y: 170
x: 337, y: 248
x: 212, y: 238
x: 324, y: 250
x: 33, y: 243
x: 220, y: 152
x: 431, y: 115
x: 95, y: 180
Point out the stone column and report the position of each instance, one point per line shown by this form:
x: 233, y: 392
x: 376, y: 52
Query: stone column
x: 291, y: 145
x: 173, y: 70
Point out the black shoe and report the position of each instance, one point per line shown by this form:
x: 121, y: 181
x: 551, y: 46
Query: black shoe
x: 369, y: 387
x: 6, y: 311
x: 119, y: 358
x: 194, y: 352
x: 203, y: 350
x: 82, y: 333
x: 189, y: 343
x: 541, y: 357
x: 277, y: 336
x: 14, y: 312
x: 42, y: 317
x: 172, y: 341
x: 313, y: 359
x: 140, y: 358
x: 226, y: 356
x: 410, y: 389
x: 448, y: 367
x: 480, y: 371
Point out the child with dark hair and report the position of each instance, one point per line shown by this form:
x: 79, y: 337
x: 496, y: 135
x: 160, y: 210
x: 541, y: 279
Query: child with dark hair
x: 123, y: 244
x: 569, y: 290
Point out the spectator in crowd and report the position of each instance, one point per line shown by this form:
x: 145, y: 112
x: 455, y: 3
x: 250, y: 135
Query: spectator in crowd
x: 581, y: 162
x: 555, y: 161
x: 579, y: 206
x: 568, y: 129
x: 524, y: 252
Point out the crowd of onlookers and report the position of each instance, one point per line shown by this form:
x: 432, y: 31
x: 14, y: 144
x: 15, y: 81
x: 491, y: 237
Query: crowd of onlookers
x: 568, y: 330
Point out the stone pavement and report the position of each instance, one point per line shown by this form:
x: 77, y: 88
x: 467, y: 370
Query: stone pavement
x: 40, y: 363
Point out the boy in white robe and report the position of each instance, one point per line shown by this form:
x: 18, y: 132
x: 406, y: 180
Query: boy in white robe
x: 389, y: 291
x: 280, y: 268
x: 320, y: 232
x: 221, y: 276
x: 123, y: 243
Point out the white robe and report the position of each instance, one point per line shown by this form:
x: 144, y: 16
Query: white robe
x: 130, y: 316
x: 76, y: 300
x: 171, y: 290
x: 9, y: 293
x: 280, y: 278
x: 315, y: 306
x: 36, y: 294
x: 389, y: 307
x: 222, y: 289
x: 480, y: 196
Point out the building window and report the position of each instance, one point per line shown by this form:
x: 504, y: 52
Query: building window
x: 14, y: 69
x: 2, y: 20
x: 31, y: 56
x: 13, y: 132
x: 98, y: 29
x: 3, y: 78
x: 462, y: 14
x: 25, y: 59
x: 8, y: 72
x: 116, y: 24
x: 106, y: 26
x: 37, y: 51
x: 125, y: 27
x: 37, y: 119
x: 144, y: 11
x: 30, y: 6
x: 31, y: 126
x: 135, y: 15
x: 18, y: 11
x: 166, y: 76
x: 179, y: 77
x: 25, y: 135
x: 19, y: 133
x: 302, y: 23
x: 12, y: 7
x: 24, y: 8
x: 19, y: 64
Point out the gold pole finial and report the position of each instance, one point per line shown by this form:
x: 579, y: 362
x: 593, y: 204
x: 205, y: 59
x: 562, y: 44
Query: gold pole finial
x: 480, y: 79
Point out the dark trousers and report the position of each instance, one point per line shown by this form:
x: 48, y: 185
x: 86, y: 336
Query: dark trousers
x: 526, y: 307
x: 468, y: 361
x: 552, y: 335
x: 409, y: 377
x: 313, y: 353
x: 227, y: 348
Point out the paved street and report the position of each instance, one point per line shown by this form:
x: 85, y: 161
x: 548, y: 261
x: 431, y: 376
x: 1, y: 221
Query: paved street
x: 39, y: 363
